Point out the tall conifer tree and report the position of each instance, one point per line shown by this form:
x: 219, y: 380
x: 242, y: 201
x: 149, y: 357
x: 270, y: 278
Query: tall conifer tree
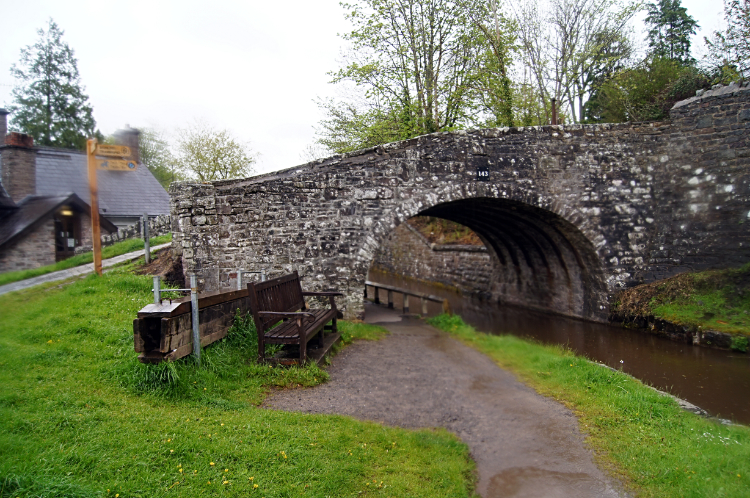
x: 671, y: 27
x: 49, y: 102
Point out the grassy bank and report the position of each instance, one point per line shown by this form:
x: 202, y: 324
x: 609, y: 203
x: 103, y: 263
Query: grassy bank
x: 81, y: 417
x: 117, y: 249
x: 716, y: 300
x: 642, y: 437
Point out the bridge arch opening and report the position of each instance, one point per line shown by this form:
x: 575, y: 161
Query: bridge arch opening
x: 539, y: 259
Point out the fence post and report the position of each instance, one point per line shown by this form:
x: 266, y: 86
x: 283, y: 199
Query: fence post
x: 405, y: 306
x: 145, y: 238
x: 194, y: 308
x: 390, y: 299
x: 262, y: 274
x: 239, y: 278
x: 157, y: 290
x: 424, y: 306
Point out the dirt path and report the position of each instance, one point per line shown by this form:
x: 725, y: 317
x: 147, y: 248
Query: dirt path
x: 524, y: 445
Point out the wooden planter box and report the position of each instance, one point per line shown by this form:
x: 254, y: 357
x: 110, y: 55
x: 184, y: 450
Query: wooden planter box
x: 163, y: 332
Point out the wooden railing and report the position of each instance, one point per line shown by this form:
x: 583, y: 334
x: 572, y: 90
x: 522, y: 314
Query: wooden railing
x: 423, y: 298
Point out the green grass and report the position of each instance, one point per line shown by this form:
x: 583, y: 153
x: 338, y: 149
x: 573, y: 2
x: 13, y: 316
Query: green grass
x: 640, y: 436
x: 117, y: 249
x: 715, y: 300
x: 81, y: 417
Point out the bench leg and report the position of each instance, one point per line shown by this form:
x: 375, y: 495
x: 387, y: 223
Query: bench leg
x: 261, y: 352
x: 302, y: 351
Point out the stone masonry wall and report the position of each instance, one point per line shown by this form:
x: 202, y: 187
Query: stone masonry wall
x: 570, y: 214
x: 407, y: 252
x: 32, y: 251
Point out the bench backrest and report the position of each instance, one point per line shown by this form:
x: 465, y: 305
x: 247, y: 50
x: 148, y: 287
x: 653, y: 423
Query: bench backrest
x: 282, y: 294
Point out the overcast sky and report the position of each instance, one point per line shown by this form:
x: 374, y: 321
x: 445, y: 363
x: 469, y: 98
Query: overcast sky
x: 252, y: 67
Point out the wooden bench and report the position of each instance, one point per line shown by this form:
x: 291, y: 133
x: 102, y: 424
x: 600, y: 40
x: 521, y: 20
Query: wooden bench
x: 282, y: 300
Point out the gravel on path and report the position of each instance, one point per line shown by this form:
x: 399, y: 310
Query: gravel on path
x: 524, y: 445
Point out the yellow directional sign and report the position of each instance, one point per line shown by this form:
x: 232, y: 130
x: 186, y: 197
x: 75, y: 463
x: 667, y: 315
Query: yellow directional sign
x: 117, y: 164
x: 112, y: 150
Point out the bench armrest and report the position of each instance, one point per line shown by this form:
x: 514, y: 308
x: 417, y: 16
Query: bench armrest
x: 322, y: 294
x: 288, y: 314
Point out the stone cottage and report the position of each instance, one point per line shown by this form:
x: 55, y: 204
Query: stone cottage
x: 44, y: 199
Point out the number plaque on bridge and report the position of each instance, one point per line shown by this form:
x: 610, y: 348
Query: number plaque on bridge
x: 483, y: 174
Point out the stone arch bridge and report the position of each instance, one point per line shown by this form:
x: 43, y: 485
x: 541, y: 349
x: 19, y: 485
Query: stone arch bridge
x: 569, y: 214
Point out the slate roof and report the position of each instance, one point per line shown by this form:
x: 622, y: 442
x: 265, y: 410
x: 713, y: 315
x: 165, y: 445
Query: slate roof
x: 121, y: 193
x: 34, y: 207
x: 6, y: 203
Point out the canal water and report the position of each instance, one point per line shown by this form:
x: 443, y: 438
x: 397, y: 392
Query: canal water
x: 715, y: 380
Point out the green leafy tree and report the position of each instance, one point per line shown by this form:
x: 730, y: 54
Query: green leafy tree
x: 49, y: 102
x: 571, y: 46
x: 492, y: 82
x: 413, y: 63
x: 157, y: 156
x: 671, y: 27
x: 729, y: 50
x: 205, y: 154
x: 646, y: 92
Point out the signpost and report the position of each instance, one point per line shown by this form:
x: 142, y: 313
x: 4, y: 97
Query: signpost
x: 116, y: 164
x: 93, y: 149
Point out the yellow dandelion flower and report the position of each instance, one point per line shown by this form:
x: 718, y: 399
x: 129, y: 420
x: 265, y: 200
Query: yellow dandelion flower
x: 226, y: 470
x: 251, y: 478
x: 180, y: 471
x: 171, y: 451
x: 255, y: 486
x: 195, y: 472
x: 169, y: 440
x: 212, y: 464
x: 209, y: 482
x: 225, y: 482
x: 49, y: 342
x: 222, y: 425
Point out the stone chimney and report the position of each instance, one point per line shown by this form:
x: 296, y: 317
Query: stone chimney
x: 3, y: 125
x: 129, y: 136
x: 19, y: 161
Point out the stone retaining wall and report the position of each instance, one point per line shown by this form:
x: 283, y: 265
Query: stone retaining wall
x: 407, y: 252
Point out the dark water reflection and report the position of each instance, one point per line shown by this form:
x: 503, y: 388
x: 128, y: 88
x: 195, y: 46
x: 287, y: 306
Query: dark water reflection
x: 717, y: 381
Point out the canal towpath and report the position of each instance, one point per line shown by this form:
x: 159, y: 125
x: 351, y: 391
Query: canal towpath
x: 75, y: 271
x: 524, y: 445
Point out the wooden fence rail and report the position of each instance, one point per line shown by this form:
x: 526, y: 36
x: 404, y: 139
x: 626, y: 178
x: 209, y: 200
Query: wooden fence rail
x: 423, y: 298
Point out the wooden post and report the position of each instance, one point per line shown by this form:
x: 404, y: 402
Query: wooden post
x: 95, y: 230
x: 554, y: 111
x: 390, y: 299
x: 406, y: 303
x: 424, y: 306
